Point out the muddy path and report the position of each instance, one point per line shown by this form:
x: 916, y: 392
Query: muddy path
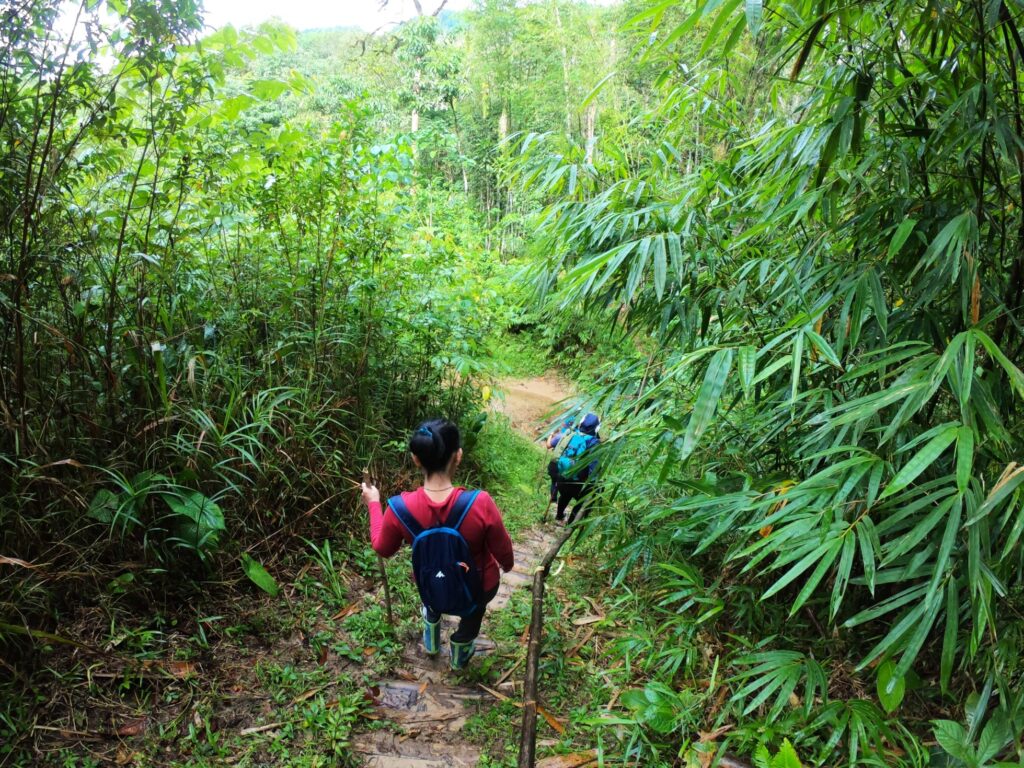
x: 531, y: 403
x: 427, y: 704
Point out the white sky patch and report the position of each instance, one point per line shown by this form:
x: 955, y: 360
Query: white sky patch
x: 325, y: 14
x: 320, y: 14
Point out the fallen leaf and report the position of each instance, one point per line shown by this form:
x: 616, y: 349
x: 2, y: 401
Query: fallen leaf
x: 126, y: 756
x: 132, y: 727
x: 182, y: 669
x: 308, y: 694
x: 612, y: 700
x: 496, y: 694
x: 61, y: 463
x: 593, y: 604
x: 586, y: 639
x: 259, y: 729
x: 345, y: 612
x: 592, y: 618
x: 423, y: 688
x: 706, y: 736
x: 551, y: 720
x: 574, y: 760
x: 16, y: 561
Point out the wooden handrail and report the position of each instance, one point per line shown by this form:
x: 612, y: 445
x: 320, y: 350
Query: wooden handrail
x: 528, y: 733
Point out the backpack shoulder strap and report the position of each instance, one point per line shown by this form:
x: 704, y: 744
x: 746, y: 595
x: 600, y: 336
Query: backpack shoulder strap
x: 404, y: 516
x: 460, y: 509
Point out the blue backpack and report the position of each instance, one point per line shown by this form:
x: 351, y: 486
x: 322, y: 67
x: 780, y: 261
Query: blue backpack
x: 442, y: 564
x: 577, y: 445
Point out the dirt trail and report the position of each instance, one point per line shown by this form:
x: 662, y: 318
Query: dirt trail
x: 427, y: 702
x: 530, y: 403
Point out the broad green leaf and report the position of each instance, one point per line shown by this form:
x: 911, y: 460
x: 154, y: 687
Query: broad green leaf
x: 786, y: 757
x: 259, y: 576
x: 798, y: 353
x: 103, y: 506
x: 230, y: 108
x: 199, y: 519
x: 921, y: 461
x: 867, y: 542
x: 823, y: 348
x: 953, y: 739
x: 890, y: 686
x: 842, y: 575
x: 996, y: 734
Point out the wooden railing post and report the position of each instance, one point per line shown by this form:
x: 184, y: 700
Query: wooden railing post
x: 528, y: 733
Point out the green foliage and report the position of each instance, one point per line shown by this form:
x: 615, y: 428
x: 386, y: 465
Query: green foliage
x: 823, y: 273
x: 259, y: 575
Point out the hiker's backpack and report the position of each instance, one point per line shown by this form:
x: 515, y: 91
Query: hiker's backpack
x: 575, y: 447
x: 442, y: 564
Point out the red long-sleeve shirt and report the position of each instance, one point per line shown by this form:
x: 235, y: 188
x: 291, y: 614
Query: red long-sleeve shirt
x: 483, y: 529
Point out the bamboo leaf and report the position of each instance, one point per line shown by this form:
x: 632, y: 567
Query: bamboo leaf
x: 921, y: 461
x: 949, y: 635
x: 747, y: 365
x: 754, y: 13
x: 964, y: 457
x: 707, y: 399
x: 1012, y: 371
x: 900, y: 236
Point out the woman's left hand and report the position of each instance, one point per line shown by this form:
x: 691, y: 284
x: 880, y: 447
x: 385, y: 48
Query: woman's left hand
x: 370, y: 493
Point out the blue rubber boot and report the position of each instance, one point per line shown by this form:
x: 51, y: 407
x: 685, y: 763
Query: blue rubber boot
x: 461, y: 653
x: 431, y: 633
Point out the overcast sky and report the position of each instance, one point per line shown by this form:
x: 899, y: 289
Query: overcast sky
x: 306, y: 14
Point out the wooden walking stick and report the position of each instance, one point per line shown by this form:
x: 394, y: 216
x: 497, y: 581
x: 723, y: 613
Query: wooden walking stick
x: 381, y: 568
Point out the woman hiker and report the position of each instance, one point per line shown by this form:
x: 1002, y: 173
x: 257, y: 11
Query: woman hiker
x: 458, y: 537
x: 572, y: 473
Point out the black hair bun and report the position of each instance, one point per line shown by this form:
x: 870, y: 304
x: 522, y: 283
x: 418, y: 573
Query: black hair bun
x: 434, y: 443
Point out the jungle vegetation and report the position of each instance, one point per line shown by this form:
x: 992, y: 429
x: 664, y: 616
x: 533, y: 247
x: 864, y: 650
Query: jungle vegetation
x: 780, y: 246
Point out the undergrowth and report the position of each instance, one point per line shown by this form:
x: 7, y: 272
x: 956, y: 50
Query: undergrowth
x: 235, y: 675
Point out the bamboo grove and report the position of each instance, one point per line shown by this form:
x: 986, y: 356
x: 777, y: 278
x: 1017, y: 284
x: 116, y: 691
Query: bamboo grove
x: 822, y: 239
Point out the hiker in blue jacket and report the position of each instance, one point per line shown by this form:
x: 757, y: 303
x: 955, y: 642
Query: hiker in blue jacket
x: 551, y: 443
x: 571, y: 473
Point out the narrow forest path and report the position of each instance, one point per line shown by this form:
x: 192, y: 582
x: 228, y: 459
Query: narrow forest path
x: 427, y: 701
x: 429, y: 704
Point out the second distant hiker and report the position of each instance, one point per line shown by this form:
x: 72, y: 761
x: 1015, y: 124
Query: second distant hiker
x: 572, y: 473
x: 458, y: 538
